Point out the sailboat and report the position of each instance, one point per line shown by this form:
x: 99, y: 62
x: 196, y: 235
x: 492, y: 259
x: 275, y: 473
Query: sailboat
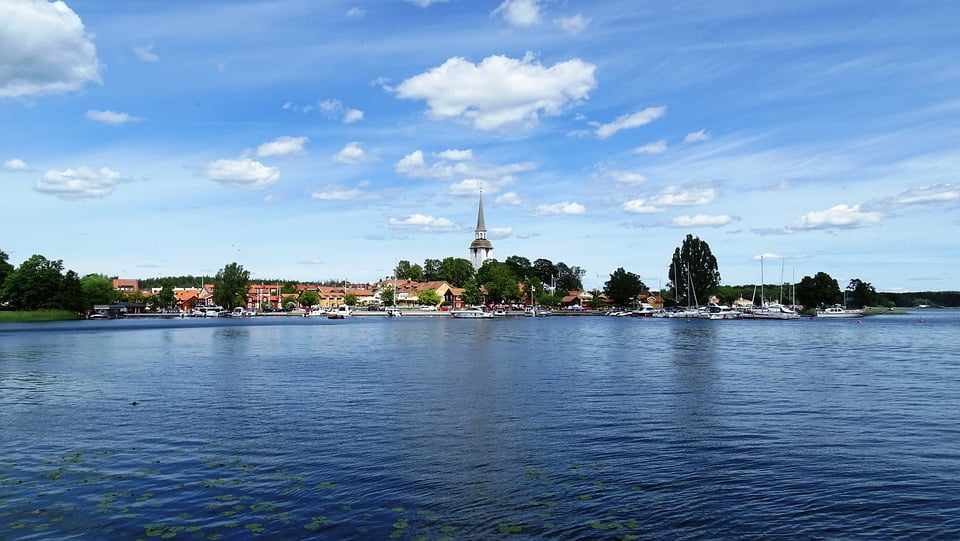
x: 772, y: 310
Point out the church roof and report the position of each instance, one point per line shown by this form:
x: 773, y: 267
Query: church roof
x: 481, y: 225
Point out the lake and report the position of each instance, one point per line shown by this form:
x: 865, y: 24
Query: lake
x: 435, y: 428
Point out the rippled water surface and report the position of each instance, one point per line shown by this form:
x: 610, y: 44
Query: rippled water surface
x: 431, y: 428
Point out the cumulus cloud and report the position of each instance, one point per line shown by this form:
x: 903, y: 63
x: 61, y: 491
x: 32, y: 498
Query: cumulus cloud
x: 352, y: 115
x: 80, y: 183
x: 640, y: 206
x: 509, y: 198
x: 423, y: 222
x: 626, y: 177
x: 44, y: 49
x: 356, y: 13
x: 500, y: 91
x: 145, y: 53
x: 110, y: 117
x: 15, y: 164
x: 283, y: 146
x: 336, y: 193
x: 837, y: 217
x: 701, y: 220
x: 696, y: 136
x: 519, y: 13
x: 352, y: 154
x: 673, y: 196
x: 655, y: 147
x: 632, y: 120
x: 499, y: 232
x: 414, y: 165
x: 472, y: 186
x: 566, y: 207
x: 573, y: 25
x: 242, y: 173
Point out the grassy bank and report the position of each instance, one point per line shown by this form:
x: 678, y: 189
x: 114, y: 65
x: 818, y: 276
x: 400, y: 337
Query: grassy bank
x: 40, y: 315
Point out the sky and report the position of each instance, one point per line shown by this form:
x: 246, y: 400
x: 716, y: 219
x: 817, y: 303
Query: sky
x: 312, y: 140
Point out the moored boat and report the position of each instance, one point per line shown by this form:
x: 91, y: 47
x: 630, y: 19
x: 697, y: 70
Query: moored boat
x: 838, y: 310
x: 472, y: 312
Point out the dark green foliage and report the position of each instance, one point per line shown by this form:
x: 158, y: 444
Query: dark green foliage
x: 456, y: 271
x: 693, y: 271
x: 406, y: 271
x: 499, y: 281
x: 471, y: 293
x: 311, y: 298
x: 821, y: 289
x: 230, y: 284
x: 98, y: 289
x: 5, y: 267
x: 860, y: 294
x: 623, y: 287
x: 36, y: 283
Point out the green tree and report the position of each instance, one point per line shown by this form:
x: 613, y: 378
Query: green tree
x: 309, y: 298
x: 230, y: 286
x: 472, y: 295
x: 456, y: 271
x: 429, y: 297
x: 431, y: 269
x: 693, y: 271
x: 350, y: 299
x: 70, y: 293
x: 5, y: 267
x: 499, y: 281
x: 164, y: 299
x: 861, y: 294
x: 568, y: 278
x: 520, y: 266
x: 98, y: 289
x: 623, y: 287
x: 289, y: 301
x: 388, y: 296
x: 818, y: 290
x: 545, y: 270
x: 406, y: 271
x: 34, y: 284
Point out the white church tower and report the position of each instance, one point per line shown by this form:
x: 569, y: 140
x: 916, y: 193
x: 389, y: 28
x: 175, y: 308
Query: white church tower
x: 480, y: 248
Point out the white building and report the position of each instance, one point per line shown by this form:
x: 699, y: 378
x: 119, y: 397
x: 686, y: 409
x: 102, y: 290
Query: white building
x: 481, y: 248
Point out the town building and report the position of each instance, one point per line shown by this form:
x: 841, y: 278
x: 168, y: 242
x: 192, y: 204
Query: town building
x: 481, y: 249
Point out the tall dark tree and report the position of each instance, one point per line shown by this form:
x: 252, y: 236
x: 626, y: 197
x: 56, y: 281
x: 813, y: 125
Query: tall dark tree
x: 70, y: 294
x: 431, y: 270
x: 545, y: 270
x: 623, y: 287
x: 456, y: 271
x: 568, y: 278
x: 5, y: 267
x: 472, y: 295
x: 821, y: 289
x: 230, y: 286
x: 499, y: 281
x: 520, y: 266
x: 860, y: 294
x: 693, y: 271
x: 387, y: 296
x: 98, y: 289
x: 406, y: 271
x: 165, y: 299
x: 34, y: 284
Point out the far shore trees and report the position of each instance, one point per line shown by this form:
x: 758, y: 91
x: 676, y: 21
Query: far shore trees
x: 38, y: 283
x: 309, y: 298
x: 818, y: 290
x: 860, y: 294
x: 230, y: 286
x: 98, y: 289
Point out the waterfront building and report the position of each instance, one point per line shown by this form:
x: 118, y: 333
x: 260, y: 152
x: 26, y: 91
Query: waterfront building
x: 481, y: 248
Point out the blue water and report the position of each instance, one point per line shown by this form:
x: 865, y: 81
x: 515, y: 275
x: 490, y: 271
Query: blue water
x: 432, y: 428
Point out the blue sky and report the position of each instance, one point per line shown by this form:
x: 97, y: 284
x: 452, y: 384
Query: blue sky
x: 327, y: 140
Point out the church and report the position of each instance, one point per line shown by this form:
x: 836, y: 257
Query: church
x: 481, y: 248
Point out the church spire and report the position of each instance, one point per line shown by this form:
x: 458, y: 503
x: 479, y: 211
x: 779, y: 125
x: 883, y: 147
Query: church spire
x: 480, y: 248
x: 481, y: 225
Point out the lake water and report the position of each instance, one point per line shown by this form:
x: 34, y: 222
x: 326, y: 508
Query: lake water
x: 432, y: 428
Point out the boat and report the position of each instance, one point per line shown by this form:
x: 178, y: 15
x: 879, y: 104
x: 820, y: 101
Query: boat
x: 317, y: 312
x: 499, y: 312
x: 394, y: 312
x: 719, y: 311
x: 472, y: 312
x: 838, y: 310
x: 342, y: 312
x: 773, y: 310
x: 537, y: 311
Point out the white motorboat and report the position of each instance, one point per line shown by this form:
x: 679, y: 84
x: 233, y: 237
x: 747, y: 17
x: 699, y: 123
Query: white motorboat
x: 719, y: 311
x: 342, y: 312
x: 473, y: 312
x: 773, y: 311
x: 394, y: 312
x: 317, y: 312
x: 838, y: 310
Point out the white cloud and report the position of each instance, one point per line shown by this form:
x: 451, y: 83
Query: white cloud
x: 674, y: 196
x: 423, y: 223
x: 426, y: 3
x: 145, y: 53
x: 696, y: 136
x: 701, y: 220
x: 837, y: 217
x: 356, y: 13
x: 456, y: 155
x: 509, y: 198
x: 560, y: 208
x: 937, y: 193
x: 283, y: 146
x: 414, y: 165
x: 519, y: 13
x: 44, y: 49
x: 243, y: 173
x: 640, y: 206
x: 632, y: 120
x: 500, y: 91
x: 627, y: 177
x: 573, y: 25
x: 336, y: 193
x: 352, y: 115
x: 111, y: 118
x: 472, y: 186
x: 15, y: 164
x: 351, y: 153
x: 500, y: 232
x: 655, y: 147
x: 80, y: 183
